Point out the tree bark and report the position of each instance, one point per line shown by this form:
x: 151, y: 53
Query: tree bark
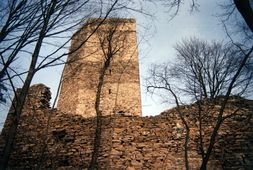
x: 246, y: 11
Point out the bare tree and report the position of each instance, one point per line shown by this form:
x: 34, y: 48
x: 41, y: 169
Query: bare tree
x: 160, y: 80
x: 220, y: 118
x: 207, y: 69
x: 20, y: 101
x: 55, y: 18
x: 111, y: 42
x: 28, y: 26
x: 207, y: 72
x: 19, y: 26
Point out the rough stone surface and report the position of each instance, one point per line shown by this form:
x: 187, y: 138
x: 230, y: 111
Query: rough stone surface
x: 63, y: 139
x: 121, y: 90
x: 51, y: 139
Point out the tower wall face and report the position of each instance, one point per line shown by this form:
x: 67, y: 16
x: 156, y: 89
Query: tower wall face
x: 121, y: 87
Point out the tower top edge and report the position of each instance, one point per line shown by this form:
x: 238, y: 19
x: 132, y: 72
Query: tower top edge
x: 91, y: 22
x: 109, y: 20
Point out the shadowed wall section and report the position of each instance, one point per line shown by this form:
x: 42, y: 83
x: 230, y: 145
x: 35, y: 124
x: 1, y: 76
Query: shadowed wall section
x: 51, y: 139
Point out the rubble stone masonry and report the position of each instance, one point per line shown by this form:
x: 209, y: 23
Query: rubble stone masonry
x: 63, y: 138
x: 50, y: 139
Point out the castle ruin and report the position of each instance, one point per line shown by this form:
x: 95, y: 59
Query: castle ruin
x: 63, y: 138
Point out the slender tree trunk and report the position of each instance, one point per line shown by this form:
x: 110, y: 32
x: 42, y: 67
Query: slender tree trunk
x: 220, y: 116
x: 186, y: 141
x: 187, y: 135
x: 97, y: 139
x: 200, y: 130
x: 24, y: 91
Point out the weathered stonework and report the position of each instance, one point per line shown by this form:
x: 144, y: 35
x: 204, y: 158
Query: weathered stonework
x: 63, y: 138
x: 51, y: 139
x: 121, y: 90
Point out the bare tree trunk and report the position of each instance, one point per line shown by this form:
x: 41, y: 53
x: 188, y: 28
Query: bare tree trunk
x: 24, y: 91
x: 220, y: 116
x: 187, y: 135
x: 200, y: 116
x: 97, y: 139
x: 246, y: 11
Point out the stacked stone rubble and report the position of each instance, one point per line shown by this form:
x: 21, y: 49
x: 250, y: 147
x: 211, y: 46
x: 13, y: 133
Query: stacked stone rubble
x: 50, y: 139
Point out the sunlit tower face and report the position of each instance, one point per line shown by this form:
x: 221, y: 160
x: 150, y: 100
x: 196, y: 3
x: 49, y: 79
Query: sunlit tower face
x: 121, y: 87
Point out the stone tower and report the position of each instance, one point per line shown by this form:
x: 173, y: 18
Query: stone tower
x: 121, y: 88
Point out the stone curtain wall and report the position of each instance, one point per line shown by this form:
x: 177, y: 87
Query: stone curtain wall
x: 121, y: 90
x: 128, y: 142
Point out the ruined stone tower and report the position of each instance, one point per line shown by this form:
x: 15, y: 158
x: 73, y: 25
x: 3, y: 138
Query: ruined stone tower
x: 121, y: 88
